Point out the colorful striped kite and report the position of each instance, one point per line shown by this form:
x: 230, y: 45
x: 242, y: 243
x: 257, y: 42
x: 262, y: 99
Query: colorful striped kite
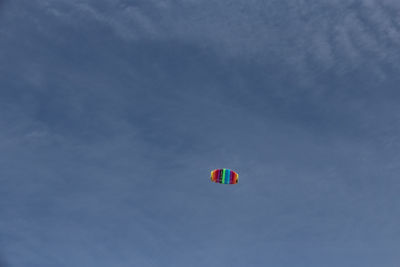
x: 224, y: 176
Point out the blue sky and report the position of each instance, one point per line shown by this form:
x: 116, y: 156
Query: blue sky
x: 113, y: 114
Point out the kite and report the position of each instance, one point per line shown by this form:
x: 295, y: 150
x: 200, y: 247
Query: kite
x: 224, y: 176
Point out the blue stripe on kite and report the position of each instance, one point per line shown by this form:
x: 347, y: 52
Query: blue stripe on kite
x: 227, y: 176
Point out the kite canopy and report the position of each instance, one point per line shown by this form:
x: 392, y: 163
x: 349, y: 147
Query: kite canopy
x: 224, y: 176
